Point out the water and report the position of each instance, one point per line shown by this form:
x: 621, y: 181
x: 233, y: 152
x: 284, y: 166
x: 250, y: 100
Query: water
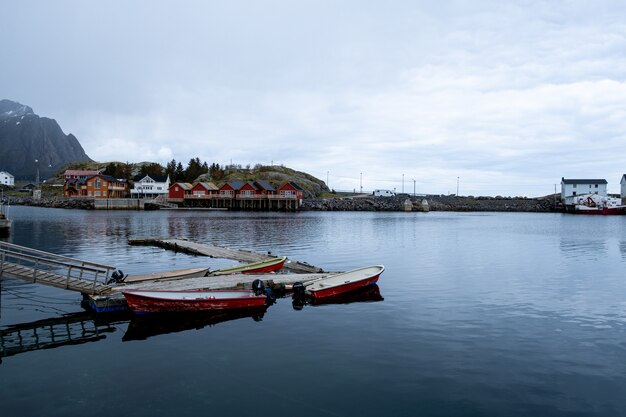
x: 483, y: 315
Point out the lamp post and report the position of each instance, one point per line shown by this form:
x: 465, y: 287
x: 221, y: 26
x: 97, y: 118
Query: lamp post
x: 361, y: 183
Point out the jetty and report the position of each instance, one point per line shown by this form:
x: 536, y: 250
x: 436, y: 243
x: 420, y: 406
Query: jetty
x: 101, y: 294
x: 214, y: 251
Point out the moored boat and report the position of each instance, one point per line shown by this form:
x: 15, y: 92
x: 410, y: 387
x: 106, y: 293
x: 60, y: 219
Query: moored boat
x: 345, y: 282
x: 598, y: 205
x: 189, y: 301
x: 260, y: 267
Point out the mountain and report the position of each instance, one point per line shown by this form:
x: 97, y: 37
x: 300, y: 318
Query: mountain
x: 29, y: 142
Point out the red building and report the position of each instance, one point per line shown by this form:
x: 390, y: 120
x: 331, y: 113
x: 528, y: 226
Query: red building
x: 204, y: 190
x: 230, y: 189
x: 179, y: 190
x: 290, y: 190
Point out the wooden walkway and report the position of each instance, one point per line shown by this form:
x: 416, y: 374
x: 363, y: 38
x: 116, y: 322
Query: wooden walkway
x: 53, y: 270
x: 213, y: 251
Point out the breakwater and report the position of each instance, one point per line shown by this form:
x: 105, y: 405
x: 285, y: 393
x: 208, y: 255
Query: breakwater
x: 435, y: 203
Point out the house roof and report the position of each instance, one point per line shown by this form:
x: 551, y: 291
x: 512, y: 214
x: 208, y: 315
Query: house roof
x: 5, y: 173
x: 184, y: 185
x: 79, y: 172
x: 155, y: 178
x: 264, y: 185
x: 207, y: 186
x: 580, y: 181
x: 234, y: 184
x: 293, y: 184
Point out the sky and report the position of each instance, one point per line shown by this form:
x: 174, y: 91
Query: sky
x: 478, y: 97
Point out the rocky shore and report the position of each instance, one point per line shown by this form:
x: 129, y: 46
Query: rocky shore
x: 367, y: 203
x: 435, y: 203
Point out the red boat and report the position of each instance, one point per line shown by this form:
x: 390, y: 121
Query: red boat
x: 344, y: 282
x: 188, y: 301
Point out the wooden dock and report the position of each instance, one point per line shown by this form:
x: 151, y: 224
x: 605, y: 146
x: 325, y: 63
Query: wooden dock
x: 213, y: 251
x: 54, y: 270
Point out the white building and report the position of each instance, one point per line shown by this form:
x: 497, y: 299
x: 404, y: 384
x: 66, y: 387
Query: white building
x: 7, y: 179
x: 571, y: 188
x: 150, y: 186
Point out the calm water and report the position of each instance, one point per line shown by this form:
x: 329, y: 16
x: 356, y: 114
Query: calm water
x: 483, y: 315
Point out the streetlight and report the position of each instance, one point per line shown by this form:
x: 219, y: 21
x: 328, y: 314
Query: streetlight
x: 361, y: 183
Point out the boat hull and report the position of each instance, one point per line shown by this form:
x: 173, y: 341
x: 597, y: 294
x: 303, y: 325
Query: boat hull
x: 191, y: 301
x: 262, y: 267
x: 344, y: 283
x: 601, y: 211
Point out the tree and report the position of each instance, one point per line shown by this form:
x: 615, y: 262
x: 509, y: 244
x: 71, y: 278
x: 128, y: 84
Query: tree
x: 216, y: 172
x: 152, y: 169
x: 170, y: 170
x: 194, y: 169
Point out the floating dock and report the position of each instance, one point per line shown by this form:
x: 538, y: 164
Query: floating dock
x: 213, y: 251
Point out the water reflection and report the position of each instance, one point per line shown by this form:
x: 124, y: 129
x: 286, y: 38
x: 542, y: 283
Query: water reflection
x: 142, y: 327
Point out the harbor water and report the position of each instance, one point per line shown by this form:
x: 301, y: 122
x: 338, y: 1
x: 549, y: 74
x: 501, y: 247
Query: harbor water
x: 476, y: 314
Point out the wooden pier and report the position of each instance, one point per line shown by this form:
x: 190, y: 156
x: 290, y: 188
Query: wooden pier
x: 54, y: 270
x: 92, y: 279
x: 213, y: 251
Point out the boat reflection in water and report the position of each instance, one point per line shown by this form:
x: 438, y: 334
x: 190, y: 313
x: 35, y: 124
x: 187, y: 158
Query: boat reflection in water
x: 142, y: 327
x: 371, y: 293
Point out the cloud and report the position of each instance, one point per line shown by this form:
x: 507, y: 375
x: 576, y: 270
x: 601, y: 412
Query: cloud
x: 507, y: 97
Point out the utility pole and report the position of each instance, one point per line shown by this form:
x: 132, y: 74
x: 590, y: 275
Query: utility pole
x: 414, y: 188
x: 327, y: 180
x: 457, y: 186
x: 402, y: 183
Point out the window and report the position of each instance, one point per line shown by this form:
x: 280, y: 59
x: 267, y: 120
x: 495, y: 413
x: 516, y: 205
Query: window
x: 574, y: 185
x: 98, y: 183
x: 574, y: 193
x: 596, y: 185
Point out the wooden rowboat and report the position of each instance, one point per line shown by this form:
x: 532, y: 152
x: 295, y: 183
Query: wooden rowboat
x: 189, y: 301
x: 264, y: 266
x: 344, y: 282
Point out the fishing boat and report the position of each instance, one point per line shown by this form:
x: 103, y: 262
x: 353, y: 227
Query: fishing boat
x: 188, y: 301
x: 260, y: 267
x: 598, y: 205
x: 345, y: 282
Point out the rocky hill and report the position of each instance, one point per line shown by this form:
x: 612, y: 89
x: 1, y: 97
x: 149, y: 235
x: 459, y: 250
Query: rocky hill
x: 29, y: 142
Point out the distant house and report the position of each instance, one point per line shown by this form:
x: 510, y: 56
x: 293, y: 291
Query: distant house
x: 204, y: 190
x: 577, y: 187
x: 264, y: 188
x: 290, y: 190
x: 248, y: 190
x: 230, y: 189
x: 7, y: 179
x: 179, y: 190
x: 77, y: 174
x: 150, y: 186
x: 96, y: 186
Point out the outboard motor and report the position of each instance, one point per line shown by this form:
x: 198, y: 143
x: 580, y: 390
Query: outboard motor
x: 298, y: 290
x: 258, y: 287
x: 117, y: 276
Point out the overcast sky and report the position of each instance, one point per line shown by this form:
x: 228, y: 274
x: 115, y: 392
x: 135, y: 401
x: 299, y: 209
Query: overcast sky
x: 498, y: 97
